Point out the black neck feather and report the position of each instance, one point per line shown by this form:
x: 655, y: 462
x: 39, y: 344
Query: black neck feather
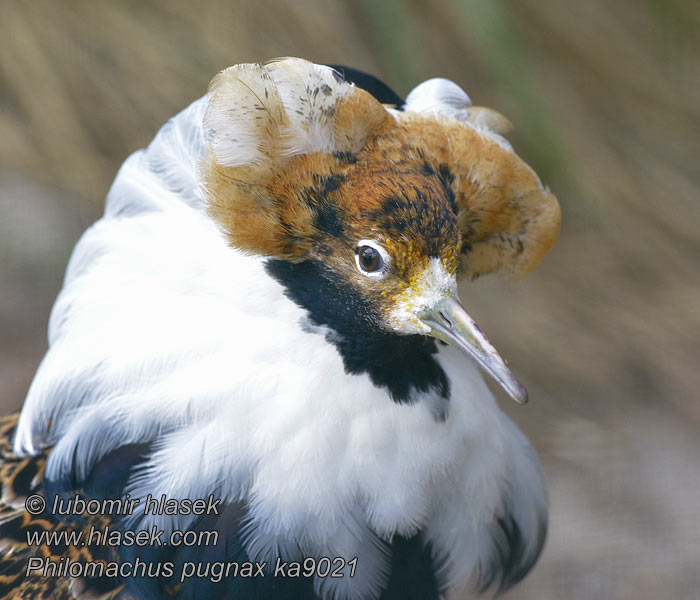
x: 403, y: 364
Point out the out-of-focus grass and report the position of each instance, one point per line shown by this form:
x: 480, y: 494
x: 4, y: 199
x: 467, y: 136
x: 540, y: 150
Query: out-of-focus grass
x: 393, y: 30
x: 605, y: 98
x: 500, y: 49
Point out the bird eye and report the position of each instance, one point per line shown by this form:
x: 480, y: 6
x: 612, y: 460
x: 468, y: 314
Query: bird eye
x: 370, y: 260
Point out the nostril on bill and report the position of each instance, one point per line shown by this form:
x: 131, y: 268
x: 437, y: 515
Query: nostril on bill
x: 445, y: 321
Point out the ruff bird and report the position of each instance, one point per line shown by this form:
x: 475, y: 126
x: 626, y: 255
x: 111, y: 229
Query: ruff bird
x: 267, y: 317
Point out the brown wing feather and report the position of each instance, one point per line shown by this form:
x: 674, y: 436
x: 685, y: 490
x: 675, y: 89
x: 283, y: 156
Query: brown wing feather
x: 21, y: 477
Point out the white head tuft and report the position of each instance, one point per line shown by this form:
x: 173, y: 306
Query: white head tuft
x: 441, y: 96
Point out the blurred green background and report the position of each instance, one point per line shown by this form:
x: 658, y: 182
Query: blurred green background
x: 605, y: 98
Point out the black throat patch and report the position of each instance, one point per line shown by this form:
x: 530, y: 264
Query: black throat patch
x: 403, y: 364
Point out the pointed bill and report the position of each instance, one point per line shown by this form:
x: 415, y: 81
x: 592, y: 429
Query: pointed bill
x: 449, y: 322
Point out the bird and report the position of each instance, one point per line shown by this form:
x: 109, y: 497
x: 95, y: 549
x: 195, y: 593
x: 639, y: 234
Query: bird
x: 268, y: 320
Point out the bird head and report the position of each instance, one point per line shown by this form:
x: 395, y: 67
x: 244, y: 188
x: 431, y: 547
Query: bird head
x: 388, y: 208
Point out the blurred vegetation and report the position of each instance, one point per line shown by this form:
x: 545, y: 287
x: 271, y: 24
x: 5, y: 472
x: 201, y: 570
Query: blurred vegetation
x: 605, y: 98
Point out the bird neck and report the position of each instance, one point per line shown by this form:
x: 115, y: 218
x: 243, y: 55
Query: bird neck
x: 405, y: 365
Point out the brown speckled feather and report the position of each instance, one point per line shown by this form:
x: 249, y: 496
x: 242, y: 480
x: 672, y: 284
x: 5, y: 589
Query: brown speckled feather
x: 21, y: 477
x: 267, y: 194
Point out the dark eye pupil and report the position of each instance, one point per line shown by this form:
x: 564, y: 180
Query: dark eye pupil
x: 370, y: 260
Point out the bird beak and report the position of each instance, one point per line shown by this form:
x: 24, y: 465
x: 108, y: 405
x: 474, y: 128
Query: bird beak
x: 449, y: 322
